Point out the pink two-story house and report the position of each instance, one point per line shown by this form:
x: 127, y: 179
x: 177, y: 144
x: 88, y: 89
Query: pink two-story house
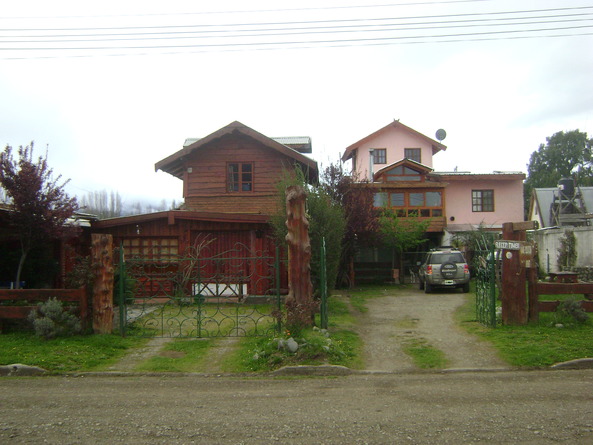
x: 398, y: 162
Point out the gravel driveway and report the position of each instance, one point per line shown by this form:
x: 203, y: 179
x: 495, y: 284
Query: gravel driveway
x: 402, y: 315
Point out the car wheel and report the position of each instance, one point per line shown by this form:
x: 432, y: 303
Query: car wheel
x: 465, y: 288
x: 427, y: 288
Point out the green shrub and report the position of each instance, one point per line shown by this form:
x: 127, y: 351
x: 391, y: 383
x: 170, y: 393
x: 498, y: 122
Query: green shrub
x: 51, y: 320
x: 570, y: 311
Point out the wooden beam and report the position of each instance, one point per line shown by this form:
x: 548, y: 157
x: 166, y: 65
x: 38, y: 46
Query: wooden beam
x: 524, y: 225
x: 564, y: 288
x: 551, y: 306
x: 514, y: 295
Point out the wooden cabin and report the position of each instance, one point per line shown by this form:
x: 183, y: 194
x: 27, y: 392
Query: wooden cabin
x: 229, y: 187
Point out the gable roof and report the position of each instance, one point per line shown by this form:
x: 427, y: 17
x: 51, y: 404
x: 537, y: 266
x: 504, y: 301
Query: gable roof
x: 436, y: 146
x: 417, y: 166
x: 173, y: 164
x: 542, y: 199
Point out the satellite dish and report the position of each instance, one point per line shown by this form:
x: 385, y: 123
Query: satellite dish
x: 441, y: 134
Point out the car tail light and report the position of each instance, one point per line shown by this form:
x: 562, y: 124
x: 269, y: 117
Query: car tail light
x: 465, y: 268
x: 428, y: 270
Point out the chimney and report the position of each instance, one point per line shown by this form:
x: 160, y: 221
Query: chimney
x: 371, y: 164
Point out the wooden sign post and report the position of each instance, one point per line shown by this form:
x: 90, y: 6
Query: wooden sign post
x: 514, y: 294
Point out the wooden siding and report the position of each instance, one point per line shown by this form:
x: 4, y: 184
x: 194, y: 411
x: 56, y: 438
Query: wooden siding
x: 253, y: 203
x: 205, y: 187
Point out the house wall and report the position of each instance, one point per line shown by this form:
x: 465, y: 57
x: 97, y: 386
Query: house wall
x: 508, y: 201
x: 205, y: 188
x: 549, y: 242
x: 182, y: 229
x: 394, y: 140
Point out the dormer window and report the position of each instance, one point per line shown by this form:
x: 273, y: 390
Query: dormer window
x: 239, y: 177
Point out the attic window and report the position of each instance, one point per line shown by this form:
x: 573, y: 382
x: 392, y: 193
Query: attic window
x: 402, y: 173
x: 239, y: 177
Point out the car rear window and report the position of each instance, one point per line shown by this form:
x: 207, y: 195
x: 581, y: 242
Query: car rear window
x: 442, y: 258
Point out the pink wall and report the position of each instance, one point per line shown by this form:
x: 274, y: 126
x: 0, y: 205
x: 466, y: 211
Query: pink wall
x: 508, y: 200
x: 394, y: 140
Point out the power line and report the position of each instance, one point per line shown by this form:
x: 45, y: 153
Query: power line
x: 372, y: 27
x: 420, y: 42
x: 285, y: 32
x: 316, y: 42
x: 210, y: 25
x: 256, y: 11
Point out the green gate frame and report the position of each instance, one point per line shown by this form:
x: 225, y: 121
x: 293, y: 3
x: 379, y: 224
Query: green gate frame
x: 173, y: 312
x: 486, y: 290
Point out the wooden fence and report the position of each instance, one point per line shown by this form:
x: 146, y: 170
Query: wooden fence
x: 26, y: 300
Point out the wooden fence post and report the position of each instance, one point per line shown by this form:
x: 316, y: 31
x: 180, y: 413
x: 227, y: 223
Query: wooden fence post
x: 102, y: 263
x: 299, y: 301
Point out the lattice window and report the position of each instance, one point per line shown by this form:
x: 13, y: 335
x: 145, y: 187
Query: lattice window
x: 151, y: 248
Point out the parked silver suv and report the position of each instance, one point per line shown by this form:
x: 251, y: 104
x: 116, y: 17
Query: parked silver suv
x: 444, y: 267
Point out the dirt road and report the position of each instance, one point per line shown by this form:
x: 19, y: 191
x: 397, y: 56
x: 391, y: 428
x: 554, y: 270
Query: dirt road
x: 394, y: 319
x: 538, y: 407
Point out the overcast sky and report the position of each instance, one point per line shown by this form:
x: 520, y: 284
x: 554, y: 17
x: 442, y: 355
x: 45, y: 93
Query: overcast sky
x: 113, y: 87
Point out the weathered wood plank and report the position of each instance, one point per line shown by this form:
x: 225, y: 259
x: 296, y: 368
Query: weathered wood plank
x: 551, y: 306
x: 564, y: 288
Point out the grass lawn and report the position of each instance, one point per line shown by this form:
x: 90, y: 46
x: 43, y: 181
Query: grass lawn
x: 68, y: 354
x: 533, y: 345
x: 536, y: 344
x: 181, y: 355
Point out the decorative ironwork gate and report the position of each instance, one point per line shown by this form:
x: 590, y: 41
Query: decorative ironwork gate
x: 206, y: 293
x: 486, y: 288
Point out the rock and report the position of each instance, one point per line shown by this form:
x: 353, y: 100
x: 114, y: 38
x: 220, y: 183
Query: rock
x: 559, y: 325
x: 18, y: 369
x: 292, y: 345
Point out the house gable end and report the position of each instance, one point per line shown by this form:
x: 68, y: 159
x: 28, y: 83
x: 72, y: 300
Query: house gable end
x: 175, y: 163
x: 397, y: 126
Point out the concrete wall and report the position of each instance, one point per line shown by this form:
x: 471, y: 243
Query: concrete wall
x: 549, y: 240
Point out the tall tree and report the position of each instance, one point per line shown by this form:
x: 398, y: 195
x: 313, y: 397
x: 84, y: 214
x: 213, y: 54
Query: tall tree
x: 103, y: 204
x: 326, y: 220
x: 356, y: 198
x: 564, y: 155
x: 401, y: 234
x: 40, y: 205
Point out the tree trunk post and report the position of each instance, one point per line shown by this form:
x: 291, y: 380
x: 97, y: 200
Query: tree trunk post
x: 299, y: 302
x: 102, y: 263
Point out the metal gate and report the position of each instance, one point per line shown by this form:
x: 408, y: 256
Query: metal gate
x: 485, y: 269
x: 206, y: 293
